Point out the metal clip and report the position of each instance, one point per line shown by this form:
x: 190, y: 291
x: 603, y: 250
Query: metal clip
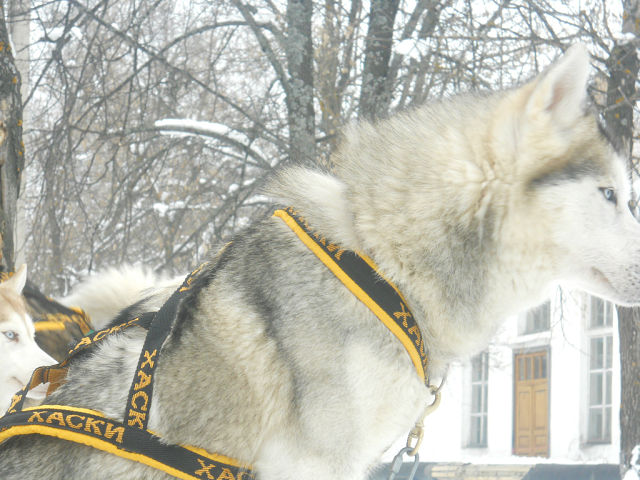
x: 417, y: 432
x: 396, y: 465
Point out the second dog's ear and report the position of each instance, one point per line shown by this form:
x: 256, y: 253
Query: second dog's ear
x: 561, y: 91
x: 18, y: 279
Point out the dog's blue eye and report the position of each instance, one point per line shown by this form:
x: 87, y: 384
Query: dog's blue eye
x: 609, y: 194
x: 12, y: 336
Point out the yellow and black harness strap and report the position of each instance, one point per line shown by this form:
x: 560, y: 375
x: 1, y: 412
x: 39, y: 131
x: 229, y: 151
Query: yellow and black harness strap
x: 361, y: 276
x: 132, y: 439
x: 59, y: 321
x: 141, y: 390
x: 55, y: 375
x: 92, y: 428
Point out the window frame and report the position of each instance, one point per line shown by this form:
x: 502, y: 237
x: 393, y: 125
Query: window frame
x: 480, y: 415
x: 599, y: 402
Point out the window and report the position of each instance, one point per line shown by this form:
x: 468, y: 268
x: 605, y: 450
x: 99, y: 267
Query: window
x: 601, y: 313
x: 600, y: 370
x: 479, y: 389
x: 600, y: 353
x: 537, y: 319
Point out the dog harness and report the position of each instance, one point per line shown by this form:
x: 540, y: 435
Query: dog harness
x: 131, y: 439
x: 362, y: 277
x: 128, y: 439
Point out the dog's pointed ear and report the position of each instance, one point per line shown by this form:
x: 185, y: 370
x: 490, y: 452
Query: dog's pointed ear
x: 18, y: 280
x: 561, y: 91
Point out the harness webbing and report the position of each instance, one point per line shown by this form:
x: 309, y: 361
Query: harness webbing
x: 131, y: 440
x: 361, y: 276
x: 93, y: 429
x: 140, y: 393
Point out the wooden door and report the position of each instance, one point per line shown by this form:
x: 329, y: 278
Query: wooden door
x: 531, y: 414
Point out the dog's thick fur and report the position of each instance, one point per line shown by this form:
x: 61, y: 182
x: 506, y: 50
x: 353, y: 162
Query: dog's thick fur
x: 473, y: 206
x: 19, y: 352
x: 104, y: 294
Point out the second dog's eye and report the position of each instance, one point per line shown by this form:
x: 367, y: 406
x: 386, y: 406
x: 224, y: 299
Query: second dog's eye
x: 11, y: 335
x: 609, y: 194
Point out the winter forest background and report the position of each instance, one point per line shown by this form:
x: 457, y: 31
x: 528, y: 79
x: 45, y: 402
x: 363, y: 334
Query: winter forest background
x: 109, y: 178
x: 149, y: 126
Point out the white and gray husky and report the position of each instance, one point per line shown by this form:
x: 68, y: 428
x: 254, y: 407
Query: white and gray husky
x: 472, y: 206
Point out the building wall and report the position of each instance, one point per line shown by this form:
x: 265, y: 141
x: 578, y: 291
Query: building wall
x: 447, y: 429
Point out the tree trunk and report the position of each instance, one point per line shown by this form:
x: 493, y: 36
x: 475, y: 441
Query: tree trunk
x: 19, y: 11
x: 11, y: 145
x: 375, y: 95
x: 623, y: 68
x: 629, y: 331
x: 19, y: 30
x: 299, y: 52
x: 623, y: 72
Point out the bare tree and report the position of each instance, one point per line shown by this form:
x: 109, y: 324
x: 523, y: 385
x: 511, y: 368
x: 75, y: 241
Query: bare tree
x: 296, y: 76
x: 376, y: 94
x: 623, y: 65
x: 11, y: 144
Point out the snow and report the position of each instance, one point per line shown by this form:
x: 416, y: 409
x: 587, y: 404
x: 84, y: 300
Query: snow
x: 186, y: 127
x: 161, y: 208
x: 55, y: 33
x: 77, y: 33
x: 204, y: 127
x: 412, y: 48
x: 404, y: 47
x: 58, y: 32
x: 623, y: 37
x: 634, y: 472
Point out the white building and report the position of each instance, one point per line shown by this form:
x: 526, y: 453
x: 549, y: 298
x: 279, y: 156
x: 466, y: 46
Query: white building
x: 547, y: 387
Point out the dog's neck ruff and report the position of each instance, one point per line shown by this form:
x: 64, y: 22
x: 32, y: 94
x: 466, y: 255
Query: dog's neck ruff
x: 130, y: 438
x: 361, y: 276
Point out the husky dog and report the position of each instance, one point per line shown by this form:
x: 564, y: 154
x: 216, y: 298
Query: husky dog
x: 472, y: 206
x: 19, y: 352
x: 103, y: 295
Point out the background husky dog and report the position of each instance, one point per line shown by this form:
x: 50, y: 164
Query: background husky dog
x: 19, y: 352
x: 473, y: 206
x: 103, y: 295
